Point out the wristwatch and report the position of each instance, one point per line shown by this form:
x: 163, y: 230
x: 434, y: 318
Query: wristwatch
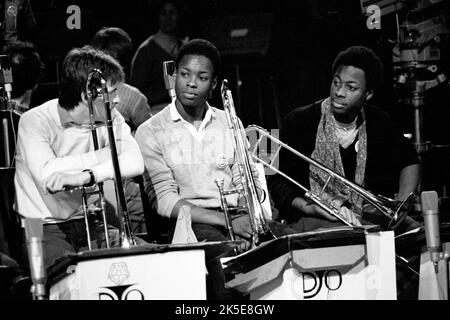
x: 92, y: 180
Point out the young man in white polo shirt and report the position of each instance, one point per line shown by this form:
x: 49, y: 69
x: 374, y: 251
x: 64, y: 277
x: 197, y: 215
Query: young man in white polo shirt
x: 188, y: 145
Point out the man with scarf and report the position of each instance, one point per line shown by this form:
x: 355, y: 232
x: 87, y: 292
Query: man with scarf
x: 352, y: 138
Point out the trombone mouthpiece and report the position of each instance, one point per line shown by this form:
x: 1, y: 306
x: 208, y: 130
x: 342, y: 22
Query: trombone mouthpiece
x: 95, y: 83
x: 224, y: 84
x: 219, y: 182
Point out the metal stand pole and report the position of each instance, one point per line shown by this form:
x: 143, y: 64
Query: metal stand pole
x: 6, y: 153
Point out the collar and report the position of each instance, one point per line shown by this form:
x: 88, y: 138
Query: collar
x: 176, y: 116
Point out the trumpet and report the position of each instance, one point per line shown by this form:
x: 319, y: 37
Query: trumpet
x: 389, y: 208
x: 95, y: 85
x: 261, y: 230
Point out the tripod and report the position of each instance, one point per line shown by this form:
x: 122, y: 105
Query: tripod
x: 417, y: 90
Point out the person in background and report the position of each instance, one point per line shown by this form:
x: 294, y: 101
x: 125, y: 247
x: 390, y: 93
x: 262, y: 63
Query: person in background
x: 27, y: 68
x: 147, y: 64
x: 22, y: 63
x: 17, y: 22
x: 131, y: 104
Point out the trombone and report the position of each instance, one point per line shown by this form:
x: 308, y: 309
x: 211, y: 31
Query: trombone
x: 95, y: 85
x: 261, y: 230
x: 391, y: 209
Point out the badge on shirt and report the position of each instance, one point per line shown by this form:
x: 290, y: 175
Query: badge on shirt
x: 221, y: 161
x: 11, y: 11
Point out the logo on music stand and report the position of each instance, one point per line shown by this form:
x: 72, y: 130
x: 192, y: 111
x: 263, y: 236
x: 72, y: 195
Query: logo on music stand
x: 118, y: 273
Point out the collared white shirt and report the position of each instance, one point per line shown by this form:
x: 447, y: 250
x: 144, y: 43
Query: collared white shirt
x: 198, y: 135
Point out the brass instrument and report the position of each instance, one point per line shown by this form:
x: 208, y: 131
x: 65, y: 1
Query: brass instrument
x: 390, y: 209
x: 95, y: 85
x: 261, y: 231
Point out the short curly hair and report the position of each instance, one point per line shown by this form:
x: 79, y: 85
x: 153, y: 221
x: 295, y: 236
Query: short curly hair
x: 200, y: 47
x: 365, y: 59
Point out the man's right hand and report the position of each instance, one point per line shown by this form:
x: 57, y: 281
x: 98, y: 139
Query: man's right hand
x: 242, y: 226
x: 243, y: 229
x: 310, y: 208
x: 60, y: 181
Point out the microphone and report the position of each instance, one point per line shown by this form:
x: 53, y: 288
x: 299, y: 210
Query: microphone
x: 169, y: 78
x: 34, y: 239
x: 6, y: 77
x: 431, y: 221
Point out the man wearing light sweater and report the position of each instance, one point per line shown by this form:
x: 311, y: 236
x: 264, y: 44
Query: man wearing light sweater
x: 55, y: 155
x: 186, y: 147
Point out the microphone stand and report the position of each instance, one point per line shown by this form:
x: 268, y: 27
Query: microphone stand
x: 433, y: 285
x: 6, y: 116
x: 34, y: 242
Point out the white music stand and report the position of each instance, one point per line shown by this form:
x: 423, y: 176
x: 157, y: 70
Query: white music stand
x: 332, y: 264
x: 145, y: 272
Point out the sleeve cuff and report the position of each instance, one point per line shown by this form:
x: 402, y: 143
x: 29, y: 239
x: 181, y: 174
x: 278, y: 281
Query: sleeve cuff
x: 103, y: 171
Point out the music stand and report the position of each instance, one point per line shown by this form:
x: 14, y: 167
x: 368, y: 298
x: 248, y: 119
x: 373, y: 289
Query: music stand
x: 335, y: 263
x: 147, y: 272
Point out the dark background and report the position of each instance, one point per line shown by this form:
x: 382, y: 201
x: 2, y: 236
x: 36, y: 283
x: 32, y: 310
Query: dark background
x: 304, y: 38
